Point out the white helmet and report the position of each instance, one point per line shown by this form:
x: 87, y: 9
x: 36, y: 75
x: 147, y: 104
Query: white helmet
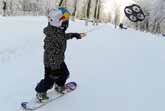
x: 57, y: 16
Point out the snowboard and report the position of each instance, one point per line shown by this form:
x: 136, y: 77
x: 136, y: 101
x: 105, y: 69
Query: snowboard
x: 53, y: 95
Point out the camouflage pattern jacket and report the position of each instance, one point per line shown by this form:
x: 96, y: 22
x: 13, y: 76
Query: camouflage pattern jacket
x: 55, y: 44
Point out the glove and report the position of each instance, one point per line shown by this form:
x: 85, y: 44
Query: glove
x: 76, y: 35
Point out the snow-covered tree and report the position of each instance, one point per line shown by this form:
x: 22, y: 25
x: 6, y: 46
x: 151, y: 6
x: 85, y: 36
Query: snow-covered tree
x: 157, y: 14
x: 74, y: 10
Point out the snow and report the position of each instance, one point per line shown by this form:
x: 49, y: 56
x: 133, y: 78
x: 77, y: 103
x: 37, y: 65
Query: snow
x: 116, y: 70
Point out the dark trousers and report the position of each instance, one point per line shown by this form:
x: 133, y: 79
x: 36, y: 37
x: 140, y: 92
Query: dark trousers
x: 52, y: 77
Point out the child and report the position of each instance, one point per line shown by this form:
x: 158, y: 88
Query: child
x: 56, y: 71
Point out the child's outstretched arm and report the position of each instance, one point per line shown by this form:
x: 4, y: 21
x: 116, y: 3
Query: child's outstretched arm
x: 74, y: 35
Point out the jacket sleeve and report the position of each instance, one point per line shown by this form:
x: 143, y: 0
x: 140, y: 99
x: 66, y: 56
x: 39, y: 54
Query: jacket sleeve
x: 72, y: 35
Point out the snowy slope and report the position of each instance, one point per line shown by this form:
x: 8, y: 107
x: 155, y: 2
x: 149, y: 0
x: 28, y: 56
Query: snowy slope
x: 116, y: 70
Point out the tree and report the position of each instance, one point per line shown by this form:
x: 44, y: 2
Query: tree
x: 96, y: 11
x: 4, y: 8
x: 88, y: 11
x: 117, y: 14
x: 99, y: 8
x: 157, y: 13
x: 74, y: 10
x: 61, y: 2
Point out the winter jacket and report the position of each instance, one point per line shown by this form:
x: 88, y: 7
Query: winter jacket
x: 55, y: 44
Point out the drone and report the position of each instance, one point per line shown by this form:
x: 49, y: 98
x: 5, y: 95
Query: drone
x: 134, y: 13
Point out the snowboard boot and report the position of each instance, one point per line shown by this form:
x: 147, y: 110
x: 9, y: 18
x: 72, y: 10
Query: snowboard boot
x: 60, y: 89
x: 42, y: 97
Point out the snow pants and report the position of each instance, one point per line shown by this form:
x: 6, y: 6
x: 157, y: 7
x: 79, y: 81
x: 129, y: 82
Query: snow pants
x: 52, y: 77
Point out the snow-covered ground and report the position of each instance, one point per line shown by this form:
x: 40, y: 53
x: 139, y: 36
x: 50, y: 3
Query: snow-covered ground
x: 116, y: 70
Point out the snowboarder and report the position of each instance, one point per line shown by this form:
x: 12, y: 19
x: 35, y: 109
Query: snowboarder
x: 121, y: 26
x: 56, y: 71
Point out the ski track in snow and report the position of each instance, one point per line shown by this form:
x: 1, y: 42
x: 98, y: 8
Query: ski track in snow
x: 11, y: 53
